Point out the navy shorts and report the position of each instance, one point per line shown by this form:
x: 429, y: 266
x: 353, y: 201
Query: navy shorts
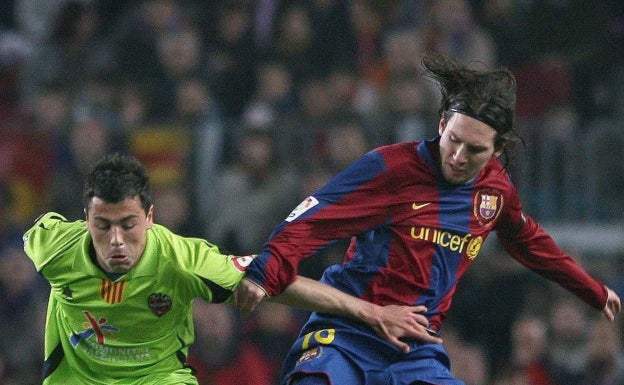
x: 351, y: 355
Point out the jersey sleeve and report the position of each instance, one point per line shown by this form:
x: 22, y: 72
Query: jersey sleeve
x: 218, y: 274
x: 355, y: 200
x: 527, y: 242
x: 210, y: 264
x: 48, y: 236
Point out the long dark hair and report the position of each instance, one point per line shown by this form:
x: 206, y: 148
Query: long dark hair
x: 486, y: 95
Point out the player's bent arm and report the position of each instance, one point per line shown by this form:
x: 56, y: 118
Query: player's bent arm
x: 391, y: 322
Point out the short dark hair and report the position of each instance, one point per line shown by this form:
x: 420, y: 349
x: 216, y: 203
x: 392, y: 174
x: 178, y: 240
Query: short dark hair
x: 486, y: 95
x: 117, y: 177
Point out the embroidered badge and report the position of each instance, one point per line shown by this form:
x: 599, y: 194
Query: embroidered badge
x: 487, y: 205
x: 159, y: 303
x: 309, y: 354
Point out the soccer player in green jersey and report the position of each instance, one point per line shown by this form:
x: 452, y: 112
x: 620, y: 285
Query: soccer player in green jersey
x: 122, y: 287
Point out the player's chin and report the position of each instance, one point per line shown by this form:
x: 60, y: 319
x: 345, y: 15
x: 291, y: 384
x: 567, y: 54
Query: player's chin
x: 119, y: 266
x: 456, y: 178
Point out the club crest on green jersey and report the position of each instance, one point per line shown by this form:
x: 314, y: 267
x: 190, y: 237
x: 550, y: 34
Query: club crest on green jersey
x: 159, y: 303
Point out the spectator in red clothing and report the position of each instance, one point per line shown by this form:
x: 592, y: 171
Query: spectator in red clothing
x: 526, y: 364
x: 220, y: 355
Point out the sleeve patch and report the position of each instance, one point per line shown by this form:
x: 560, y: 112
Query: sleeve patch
x: 241, y: 263
x: 304, y: 206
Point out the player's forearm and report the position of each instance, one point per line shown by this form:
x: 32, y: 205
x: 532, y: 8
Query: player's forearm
x: 310, y: 295
x: 392, y: 322
x: 536, y: 249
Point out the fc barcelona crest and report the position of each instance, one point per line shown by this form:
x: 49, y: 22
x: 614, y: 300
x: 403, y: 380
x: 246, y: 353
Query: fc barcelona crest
x: 159, y: 303
x: 487, y: 205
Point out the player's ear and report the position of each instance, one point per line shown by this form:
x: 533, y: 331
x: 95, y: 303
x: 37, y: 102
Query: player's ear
x: 150, y: 216
x: 441, y: 124
x: 498, y: 151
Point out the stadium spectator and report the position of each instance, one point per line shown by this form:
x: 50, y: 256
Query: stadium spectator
x: 368, y: 24
x: 72, y: 52
x: 212, y: 144
x: 469, y: 360
x: 242, y: 225
x: 28, y: 146
x: 274, y: 88
x: 272, y: 328
x: 404, y: 113
x: 22, y: 319
x: 605, y: 364
x: 567, y: 351
x: 14, y: 54
x: 294, y: 42
x: 135, y: 40
x: 222, y: 353
x: 305, y: 129
x: 451, y: 29
x: 87, y: 142
x: 527, y: 361
x: 346, y: 141
x: 232, y: 57
x: 9, y: 226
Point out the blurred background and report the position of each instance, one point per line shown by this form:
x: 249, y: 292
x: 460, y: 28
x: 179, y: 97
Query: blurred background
x: 242, y: 108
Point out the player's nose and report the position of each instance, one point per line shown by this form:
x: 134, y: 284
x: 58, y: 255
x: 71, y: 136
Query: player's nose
x: 116, y: 236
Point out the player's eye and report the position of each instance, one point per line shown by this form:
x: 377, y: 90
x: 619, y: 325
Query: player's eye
x: 102, y: 226
x: 476, y: 150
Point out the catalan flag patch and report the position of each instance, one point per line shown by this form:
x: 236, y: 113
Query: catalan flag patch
x: 112, y: 292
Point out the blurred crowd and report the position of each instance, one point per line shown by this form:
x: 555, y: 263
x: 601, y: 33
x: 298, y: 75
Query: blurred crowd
x: 241, y: 108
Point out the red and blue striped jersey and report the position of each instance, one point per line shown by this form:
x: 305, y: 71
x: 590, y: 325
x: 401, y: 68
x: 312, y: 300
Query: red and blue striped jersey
x: 413, y: 235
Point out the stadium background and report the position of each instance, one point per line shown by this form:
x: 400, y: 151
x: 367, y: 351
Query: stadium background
x: 241, y: 108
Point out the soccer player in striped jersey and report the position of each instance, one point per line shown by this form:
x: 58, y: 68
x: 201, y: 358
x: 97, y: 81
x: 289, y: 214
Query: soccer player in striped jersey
x: 122, y: 287
x: 417, y: 215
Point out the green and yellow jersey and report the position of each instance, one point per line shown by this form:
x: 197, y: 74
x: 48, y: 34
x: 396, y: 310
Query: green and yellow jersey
x: 135, y: 329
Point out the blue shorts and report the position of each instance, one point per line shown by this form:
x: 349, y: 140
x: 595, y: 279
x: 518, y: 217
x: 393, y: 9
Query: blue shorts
x: 348, y: 354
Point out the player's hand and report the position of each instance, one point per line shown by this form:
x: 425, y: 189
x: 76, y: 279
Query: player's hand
x: 247, y: 295
x: 613, y: 306
x: 395, y: 323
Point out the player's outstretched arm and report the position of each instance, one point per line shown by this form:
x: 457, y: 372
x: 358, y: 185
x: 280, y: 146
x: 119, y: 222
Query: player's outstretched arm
x: 613, y: 306
x: 392, y: 322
